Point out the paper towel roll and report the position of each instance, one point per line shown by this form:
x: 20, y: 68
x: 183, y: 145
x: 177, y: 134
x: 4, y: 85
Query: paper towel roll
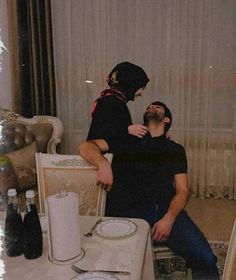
x: 64, y: 230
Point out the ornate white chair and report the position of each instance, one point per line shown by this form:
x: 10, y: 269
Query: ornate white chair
x: 20, y: 139
x: 163, y: 253
x: 229, y: 272
x: 17, y: 132
x: 74, y: 173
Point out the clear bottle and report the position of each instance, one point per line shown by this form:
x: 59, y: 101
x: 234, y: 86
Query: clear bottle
x: 32, y: 232
x: 13, y: 226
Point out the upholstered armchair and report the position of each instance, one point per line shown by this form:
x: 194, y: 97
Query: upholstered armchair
x: 20, y: 139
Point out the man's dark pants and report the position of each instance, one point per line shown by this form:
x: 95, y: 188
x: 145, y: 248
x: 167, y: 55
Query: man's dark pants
x: 188, y: 241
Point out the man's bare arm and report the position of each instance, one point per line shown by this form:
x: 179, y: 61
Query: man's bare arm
x: 93, y: 151
x: 180, y: 200
x: 162, y: 228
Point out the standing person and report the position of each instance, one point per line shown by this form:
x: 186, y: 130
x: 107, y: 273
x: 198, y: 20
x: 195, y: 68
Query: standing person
x: 150, y: 182
x: 111, y: 119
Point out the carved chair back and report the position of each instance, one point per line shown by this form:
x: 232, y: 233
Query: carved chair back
x: 74, y: 174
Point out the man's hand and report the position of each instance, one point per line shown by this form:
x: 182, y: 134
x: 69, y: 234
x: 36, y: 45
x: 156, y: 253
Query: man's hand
x: 138, y: 130
x: 161, y: 229
x: 105, y: 175
x: 92, y: 152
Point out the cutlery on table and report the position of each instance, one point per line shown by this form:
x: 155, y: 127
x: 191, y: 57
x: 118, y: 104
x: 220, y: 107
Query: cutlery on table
x: 90, y: 233
x: 79, y: 270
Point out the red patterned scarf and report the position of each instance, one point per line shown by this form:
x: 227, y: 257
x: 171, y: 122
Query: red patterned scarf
x: 108, y: 92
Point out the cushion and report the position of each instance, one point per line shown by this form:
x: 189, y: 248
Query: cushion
x: 8, y: 178
x: 24, y: 164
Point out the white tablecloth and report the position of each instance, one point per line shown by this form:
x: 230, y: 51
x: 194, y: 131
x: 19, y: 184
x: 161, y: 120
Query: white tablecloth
x: 132, y: 253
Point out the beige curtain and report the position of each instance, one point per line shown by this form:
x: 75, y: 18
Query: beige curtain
x: 187, y: 47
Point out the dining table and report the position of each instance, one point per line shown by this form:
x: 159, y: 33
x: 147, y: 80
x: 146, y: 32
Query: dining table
x: 131, y: 253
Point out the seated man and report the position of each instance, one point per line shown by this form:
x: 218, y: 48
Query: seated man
x: 150, y: 182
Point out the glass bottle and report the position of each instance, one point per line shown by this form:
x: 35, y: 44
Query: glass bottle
x: 33, y: 242
x: 13, y: 226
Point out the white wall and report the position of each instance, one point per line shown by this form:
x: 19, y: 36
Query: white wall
x: 5, y: 75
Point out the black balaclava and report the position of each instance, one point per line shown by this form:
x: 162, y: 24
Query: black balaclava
x: 166, y: 114
x: 128, y: 78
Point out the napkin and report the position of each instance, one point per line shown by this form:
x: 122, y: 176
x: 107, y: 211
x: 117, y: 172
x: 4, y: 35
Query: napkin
x: 64, y: 230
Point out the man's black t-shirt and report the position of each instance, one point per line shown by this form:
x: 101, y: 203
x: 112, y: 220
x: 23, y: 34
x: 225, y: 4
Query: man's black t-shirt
x: 143, y: 169
x: 144, y: 176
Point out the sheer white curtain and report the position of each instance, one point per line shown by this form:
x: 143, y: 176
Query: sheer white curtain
x: 188, y: 49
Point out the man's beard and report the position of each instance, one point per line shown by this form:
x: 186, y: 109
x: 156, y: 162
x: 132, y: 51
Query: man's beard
x: 150, y: 116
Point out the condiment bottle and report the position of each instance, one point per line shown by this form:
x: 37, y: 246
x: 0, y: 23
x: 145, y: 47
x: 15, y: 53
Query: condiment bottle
x: 13, y: 226
x: 32, y: 236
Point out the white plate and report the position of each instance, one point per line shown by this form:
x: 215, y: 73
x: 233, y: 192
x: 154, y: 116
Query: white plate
x: 96, y: 276
x: 115, y: 228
